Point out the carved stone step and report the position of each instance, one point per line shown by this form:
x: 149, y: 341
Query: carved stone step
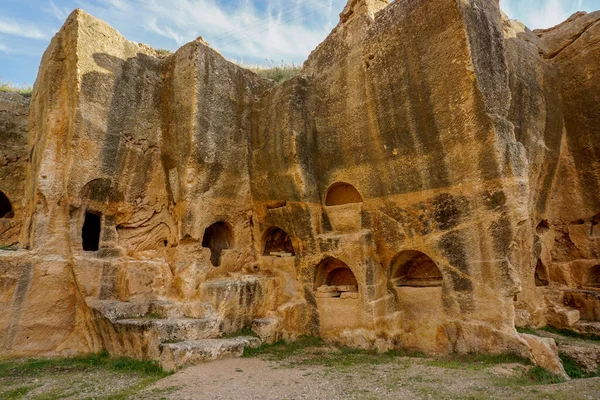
x: 116, y: 310
x: 177, y: 355
x: 587, y: 327
x: 169, y: 330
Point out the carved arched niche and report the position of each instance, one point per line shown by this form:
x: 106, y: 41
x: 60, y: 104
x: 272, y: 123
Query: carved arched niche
x: 412, y: 268
x: 217, y: 237
x: 337, y: 297
x: 343, y: 204
x: 96, y: 199
x: 276, y: 242
x: 342, y: 193
x: 6, y: 209
x: 333, y: 278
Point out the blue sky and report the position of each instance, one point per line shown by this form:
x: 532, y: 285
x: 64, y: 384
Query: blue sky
x: 248, y: 31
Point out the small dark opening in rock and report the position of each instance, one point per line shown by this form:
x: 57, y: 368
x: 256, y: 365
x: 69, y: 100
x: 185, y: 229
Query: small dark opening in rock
x: 594, y: 279
x: 6, y: 210
x: 541, y: 275
x: 413, y: 268
x: 166, y: 243
x: 90, y: 233
x: 342, y: 193
x: 542, y: 228
x: 277, y: 241
x: 217, y: 237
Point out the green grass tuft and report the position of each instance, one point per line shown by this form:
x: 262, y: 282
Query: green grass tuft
x: 245, y: 331
x: 276, y: 72
x: 16, y: 393
x: 23, y: 90
x: 538, y: 375
x: 153, y: 315
x: 477, y: 361
x: 574, y: 370
x: 527, y: 330
x: 34, y: 367
x: 283, y: 349
x: 7, y: 248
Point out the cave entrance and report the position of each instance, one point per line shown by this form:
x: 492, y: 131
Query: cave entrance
x: 541, y: 276
x: 277, y: 242
x: 415, y: 269
x: 90, y: 233
x: 6, y: 210
x: 342, y: 193
x: 217, y: 237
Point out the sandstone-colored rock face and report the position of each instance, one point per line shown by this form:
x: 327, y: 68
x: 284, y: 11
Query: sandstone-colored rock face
x: 429, y: 180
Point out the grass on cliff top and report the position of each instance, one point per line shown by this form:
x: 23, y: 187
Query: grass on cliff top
x: 7, y: 87
x: 277, y: 72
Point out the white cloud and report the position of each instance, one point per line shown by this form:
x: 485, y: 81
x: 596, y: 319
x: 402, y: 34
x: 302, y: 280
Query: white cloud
x: 541, y: 13
x: 61, y: 13
x: 282, y: 29
x: 18, y: 28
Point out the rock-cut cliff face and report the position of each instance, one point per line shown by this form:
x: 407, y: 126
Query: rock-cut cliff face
x: 428, y: 181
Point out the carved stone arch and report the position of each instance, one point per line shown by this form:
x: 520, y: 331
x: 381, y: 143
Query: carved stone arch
x: 332, y: 271
x: 416, y: 269
x: 6, y: 209
x: 218, y: 237
x: 276, y: 240
x: 341, y: 193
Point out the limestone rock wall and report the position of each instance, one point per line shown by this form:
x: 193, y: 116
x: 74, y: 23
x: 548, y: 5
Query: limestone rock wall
x: 428, y: 181
x: 14, y: 110
x: 374, y: 108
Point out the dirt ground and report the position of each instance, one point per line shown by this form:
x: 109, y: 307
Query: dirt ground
x: 307, y: 369
x: 406, y: 378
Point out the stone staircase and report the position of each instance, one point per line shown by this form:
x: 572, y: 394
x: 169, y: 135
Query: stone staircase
x: 176, y: 334
x: 574, y: 309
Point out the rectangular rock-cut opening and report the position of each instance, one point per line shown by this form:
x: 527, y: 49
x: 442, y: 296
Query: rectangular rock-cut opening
x: 90, y: 233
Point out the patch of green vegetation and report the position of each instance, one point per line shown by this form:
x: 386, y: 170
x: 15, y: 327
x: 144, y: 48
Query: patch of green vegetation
x: 569, y: 333
x: 245, y: 331
x: 283, y: 349
x: 7, y: 248
x: 477, y: 361
x: 540, y: 376
x: 310, y: 350
x: 16, y: 393
x: 574, y: 370
x: 153, y: 315
x: 529, y: 331
x: 34, y: 367
x: 277, y: 72
x: 7, y: 87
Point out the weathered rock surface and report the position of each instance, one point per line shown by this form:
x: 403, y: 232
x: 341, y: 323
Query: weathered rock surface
x: 429, y: 180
